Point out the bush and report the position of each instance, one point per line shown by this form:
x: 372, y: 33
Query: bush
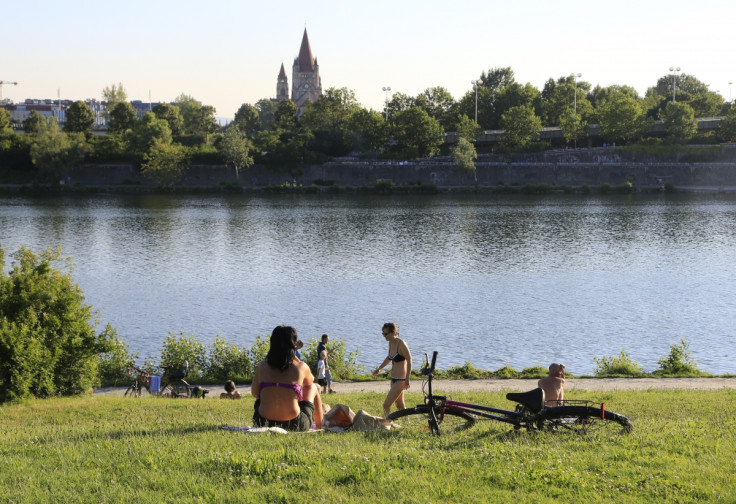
x: 679, y: 362
x: 48, y: 344
x: 466, y: 371
x: 176, y: 350
x: 506, y: 372
x: 227, y: 361
x: 618, y: 365
x: 343, y: 364
x: 114, y: 363
x: 534, y: 372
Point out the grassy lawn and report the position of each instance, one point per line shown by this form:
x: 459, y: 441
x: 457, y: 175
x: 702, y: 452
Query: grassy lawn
x: 115, y: 449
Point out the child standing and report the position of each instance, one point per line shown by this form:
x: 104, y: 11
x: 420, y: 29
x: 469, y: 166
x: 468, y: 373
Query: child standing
x: 322, y: 371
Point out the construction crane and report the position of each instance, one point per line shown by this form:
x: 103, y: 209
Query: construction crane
x: 1, y: 87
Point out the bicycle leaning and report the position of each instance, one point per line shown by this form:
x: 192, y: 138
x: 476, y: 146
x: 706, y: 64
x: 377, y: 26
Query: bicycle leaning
x: 172, y: 383
x: 440, y: 413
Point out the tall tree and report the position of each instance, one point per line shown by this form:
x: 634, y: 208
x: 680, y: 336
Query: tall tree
x: 148, y: 130
x: 170, y: 114
x: 55, y: 151
x: 679, y: 122
x: 236, y: 148
x: 398, y: 103
x: 122, y: 117
x: 368, y: 130
x: 34, y: 123
x: 5, y: 124
x: 197, y: 119
x: 327, y: 119
x: 522, y: 127
x: 439, y: 104
x: 246, y: 118
x: 164, y: 163
x: 79, y: 118
x: 622, y: 117
x: 464, y: 154
x: 416, y: 134
x: 285, y: 115
x: 266, y: 110
x: 112, y: 95
x: 727, y: 127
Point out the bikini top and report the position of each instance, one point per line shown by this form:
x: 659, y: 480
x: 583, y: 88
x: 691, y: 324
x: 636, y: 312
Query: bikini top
x: 397, y: 357
x: 293, y: 386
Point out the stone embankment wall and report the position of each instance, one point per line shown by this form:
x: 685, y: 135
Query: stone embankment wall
x: 713, y: 169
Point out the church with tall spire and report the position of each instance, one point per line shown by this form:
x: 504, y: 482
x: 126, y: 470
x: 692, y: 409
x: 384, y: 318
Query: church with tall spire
x: 306, y: 84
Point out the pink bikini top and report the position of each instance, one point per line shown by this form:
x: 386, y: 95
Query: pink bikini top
x: 293, y: 386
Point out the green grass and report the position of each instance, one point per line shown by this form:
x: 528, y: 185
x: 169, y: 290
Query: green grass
x: 115, y: 449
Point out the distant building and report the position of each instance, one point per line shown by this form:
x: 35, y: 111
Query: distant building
x: 306, y: 84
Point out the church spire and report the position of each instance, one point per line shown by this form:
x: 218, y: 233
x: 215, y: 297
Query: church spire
x: 306, y: 60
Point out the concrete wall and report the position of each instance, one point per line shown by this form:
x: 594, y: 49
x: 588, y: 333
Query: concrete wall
x: 574, y: 168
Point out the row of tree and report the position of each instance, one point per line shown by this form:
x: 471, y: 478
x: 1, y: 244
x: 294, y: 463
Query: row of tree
x: 166, y: 139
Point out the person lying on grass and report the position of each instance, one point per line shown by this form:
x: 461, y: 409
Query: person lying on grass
x: 230, y: 391
x: 284, y: 388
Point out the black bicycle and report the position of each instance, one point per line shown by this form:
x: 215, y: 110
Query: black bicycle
x: 439, y: 412
x: 172, y: 382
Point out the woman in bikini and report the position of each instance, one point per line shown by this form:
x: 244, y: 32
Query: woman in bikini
x: 284, y: 388
x: 400, y: 358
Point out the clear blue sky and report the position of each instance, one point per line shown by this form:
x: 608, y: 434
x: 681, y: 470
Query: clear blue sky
x: 228, y: 52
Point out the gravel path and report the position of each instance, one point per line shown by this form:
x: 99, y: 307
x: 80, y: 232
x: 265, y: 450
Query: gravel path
x: 440, y: 386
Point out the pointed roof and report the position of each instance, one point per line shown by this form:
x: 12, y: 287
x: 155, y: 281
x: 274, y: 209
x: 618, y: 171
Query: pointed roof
x: 282, y: 73
x: 306, y: 60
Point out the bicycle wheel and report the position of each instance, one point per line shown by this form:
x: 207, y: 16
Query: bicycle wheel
x: 180, y: 388
x: 585, y: 420
x: 133, y: 391
x: 419, y: 417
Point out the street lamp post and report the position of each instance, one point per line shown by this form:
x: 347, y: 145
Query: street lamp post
x: 674, y: 81
x: 386, y: 89
x: 476, y: 83
x: 729, y: 90
x: 575, y: 84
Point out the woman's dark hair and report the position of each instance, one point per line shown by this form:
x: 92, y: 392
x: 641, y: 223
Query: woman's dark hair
x: 229, y: 386
x: 281, y: 353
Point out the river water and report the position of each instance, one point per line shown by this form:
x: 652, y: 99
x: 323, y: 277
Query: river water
x: 492, y: 280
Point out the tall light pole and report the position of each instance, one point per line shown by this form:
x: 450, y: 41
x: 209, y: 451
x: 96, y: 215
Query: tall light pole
x: 674, y: 81
x: 386, y: 89
x: 729, y: 90
x: 575, y: 84
x: 476, y: 83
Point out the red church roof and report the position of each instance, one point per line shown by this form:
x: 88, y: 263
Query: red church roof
x: 306, y: 60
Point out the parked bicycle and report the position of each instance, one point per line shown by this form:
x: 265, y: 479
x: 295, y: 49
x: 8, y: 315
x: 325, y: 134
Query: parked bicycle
x: 172, y: 383
x: 439, y: 412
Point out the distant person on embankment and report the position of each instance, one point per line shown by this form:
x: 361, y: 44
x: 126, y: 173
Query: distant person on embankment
x: 554, y: 394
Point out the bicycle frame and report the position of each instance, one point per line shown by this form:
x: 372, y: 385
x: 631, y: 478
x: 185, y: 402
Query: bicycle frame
x: 511, y: 417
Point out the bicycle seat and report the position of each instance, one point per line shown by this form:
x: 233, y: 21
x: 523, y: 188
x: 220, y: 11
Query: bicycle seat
x: 534, y: 399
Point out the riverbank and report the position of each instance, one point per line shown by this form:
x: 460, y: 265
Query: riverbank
x: 496, y: 385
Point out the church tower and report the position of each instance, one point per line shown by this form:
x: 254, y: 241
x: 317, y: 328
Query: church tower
x: 282, y: 85
x: 306, y: 84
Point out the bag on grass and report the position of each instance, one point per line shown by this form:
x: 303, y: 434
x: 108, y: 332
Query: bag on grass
x: 339, y: 416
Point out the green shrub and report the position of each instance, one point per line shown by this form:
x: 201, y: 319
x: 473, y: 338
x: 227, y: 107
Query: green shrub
x: 617, y: 365
x: 679, y: 362
x: 176, y: 350
x: 534, y: 372
x: 257, y: 352
x: 227, y: 361
x: 48, y: 344
x: 466, y: 371
x: 506, y: 372
x: 114, y: 363
x: 343, y: 364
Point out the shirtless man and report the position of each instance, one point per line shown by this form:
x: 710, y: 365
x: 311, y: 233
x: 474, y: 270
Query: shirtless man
x: 552, y: 385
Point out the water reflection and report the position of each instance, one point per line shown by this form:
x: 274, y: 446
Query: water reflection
x: 492, y: 280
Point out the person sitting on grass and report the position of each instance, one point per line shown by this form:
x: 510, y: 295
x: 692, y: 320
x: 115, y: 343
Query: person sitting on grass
x: 230, y: 391
x: 552, y: 385
x: 284, y: 388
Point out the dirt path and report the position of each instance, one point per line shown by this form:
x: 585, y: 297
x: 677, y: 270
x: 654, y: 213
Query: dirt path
x: 589, y: 384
